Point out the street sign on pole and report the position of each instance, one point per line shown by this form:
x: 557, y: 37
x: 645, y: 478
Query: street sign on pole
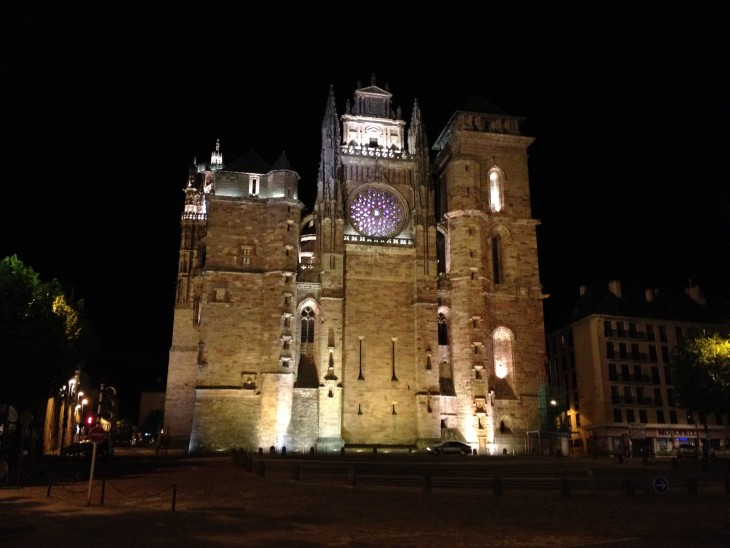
x: 97, y: 434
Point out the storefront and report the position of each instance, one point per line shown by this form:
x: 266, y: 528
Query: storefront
x: 636, y: 440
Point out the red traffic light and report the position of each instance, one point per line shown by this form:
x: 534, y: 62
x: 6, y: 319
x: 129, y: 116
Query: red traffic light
x: 90, y: 420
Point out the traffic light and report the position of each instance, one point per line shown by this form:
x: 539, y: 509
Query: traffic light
x: 90, y: 421
x: 109, y: 404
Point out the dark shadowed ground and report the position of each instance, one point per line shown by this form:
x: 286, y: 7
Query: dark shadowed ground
x: 216, y: 501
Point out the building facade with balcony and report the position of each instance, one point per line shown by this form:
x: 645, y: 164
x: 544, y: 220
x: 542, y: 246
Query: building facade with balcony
x: 610, y: 362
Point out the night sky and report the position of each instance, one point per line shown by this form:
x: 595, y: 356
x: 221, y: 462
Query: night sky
x: 104, y: 108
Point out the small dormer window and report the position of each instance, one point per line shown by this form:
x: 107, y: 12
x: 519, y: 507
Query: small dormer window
x: 253, y: 185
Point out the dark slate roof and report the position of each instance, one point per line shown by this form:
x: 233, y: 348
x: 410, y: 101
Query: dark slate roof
x: 282, y: 163
x: 664, y: 305
x: 250, y: 162
x: 485, y: 106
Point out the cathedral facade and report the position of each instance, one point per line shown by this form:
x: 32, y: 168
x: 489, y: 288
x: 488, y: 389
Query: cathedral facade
x: 404, y: 307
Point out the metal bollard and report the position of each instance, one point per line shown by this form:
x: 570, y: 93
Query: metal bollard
x: 564, y: 488
x: 498, y: 486
x: 427, y: 484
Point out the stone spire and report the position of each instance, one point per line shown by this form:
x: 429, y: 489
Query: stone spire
x: 327, y: 193
x: 216, y: 157
x: 418, y: 148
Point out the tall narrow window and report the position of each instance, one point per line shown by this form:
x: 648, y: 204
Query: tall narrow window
x: 503, y: 356
x: 443, y: 330
x: 253, y: 185
x: 496, y: 262
x: 393, y: 376
x: 360, y: 377
x: 496, y: 182
x: 612, y: 372
x: 307, y: 325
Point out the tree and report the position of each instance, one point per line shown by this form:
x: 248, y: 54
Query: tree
x: 700, y: 372
x: 43, y: 336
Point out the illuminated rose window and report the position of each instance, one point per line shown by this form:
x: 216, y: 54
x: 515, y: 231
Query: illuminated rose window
x: 376, y: 212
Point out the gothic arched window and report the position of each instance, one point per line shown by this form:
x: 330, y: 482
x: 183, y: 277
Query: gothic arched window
x: 307, y: 325
x: 503, y: 355
x: 496, y: 260
x: 443, y: 329
x: 496, y: 189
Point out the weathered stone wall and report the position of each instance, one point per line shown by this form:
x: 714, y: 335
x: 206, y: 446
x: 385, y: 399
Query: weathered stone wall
x: 304, y: 423
x: 225, y: 419
x: 181, y: 379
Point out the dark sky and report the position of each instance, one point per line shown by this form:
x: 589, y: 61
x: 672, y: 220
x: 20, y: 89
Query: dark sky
x: 104, y: 107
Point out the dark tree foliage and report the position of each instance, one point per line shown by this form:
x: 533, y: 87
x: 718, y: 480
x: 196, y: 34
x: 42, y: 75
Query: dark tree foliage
x: 43, y: 337
x: 700, y: 372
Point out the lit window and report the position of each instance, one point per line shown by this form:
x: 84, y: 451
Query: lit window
x: 496, y: 184
x: 253, y: 185
x: 502, y: 339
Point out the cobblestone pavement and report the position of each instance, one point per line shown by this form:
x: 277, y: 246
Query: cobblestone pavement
x: 214, y: 501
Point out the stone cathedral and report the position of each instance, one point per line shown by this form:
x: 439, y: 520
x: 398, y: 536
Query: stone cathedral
x: 403, y: 306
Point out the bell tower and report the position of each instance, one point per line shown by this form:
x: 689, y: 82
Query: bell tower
x: 496, y: 314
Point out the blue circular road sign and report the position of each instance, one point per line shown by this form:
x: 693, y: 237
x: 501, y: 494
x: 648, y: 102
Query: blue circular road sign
x: 661, y: 485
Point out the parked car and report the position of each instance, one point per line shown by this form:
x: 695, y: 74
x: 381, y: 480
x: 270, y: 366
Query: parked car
x: 721, y: 453
x: 86, y: 449
x: 686, y: 450
x: 450, y: 448
x: 82, y: 449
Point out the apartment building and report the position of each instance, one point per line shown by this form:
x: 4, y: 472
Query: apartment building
x: 608, y: 364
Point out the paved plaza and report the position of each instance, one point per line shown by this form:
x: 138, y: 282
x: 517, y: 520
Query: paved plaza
x: 214, y: 501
